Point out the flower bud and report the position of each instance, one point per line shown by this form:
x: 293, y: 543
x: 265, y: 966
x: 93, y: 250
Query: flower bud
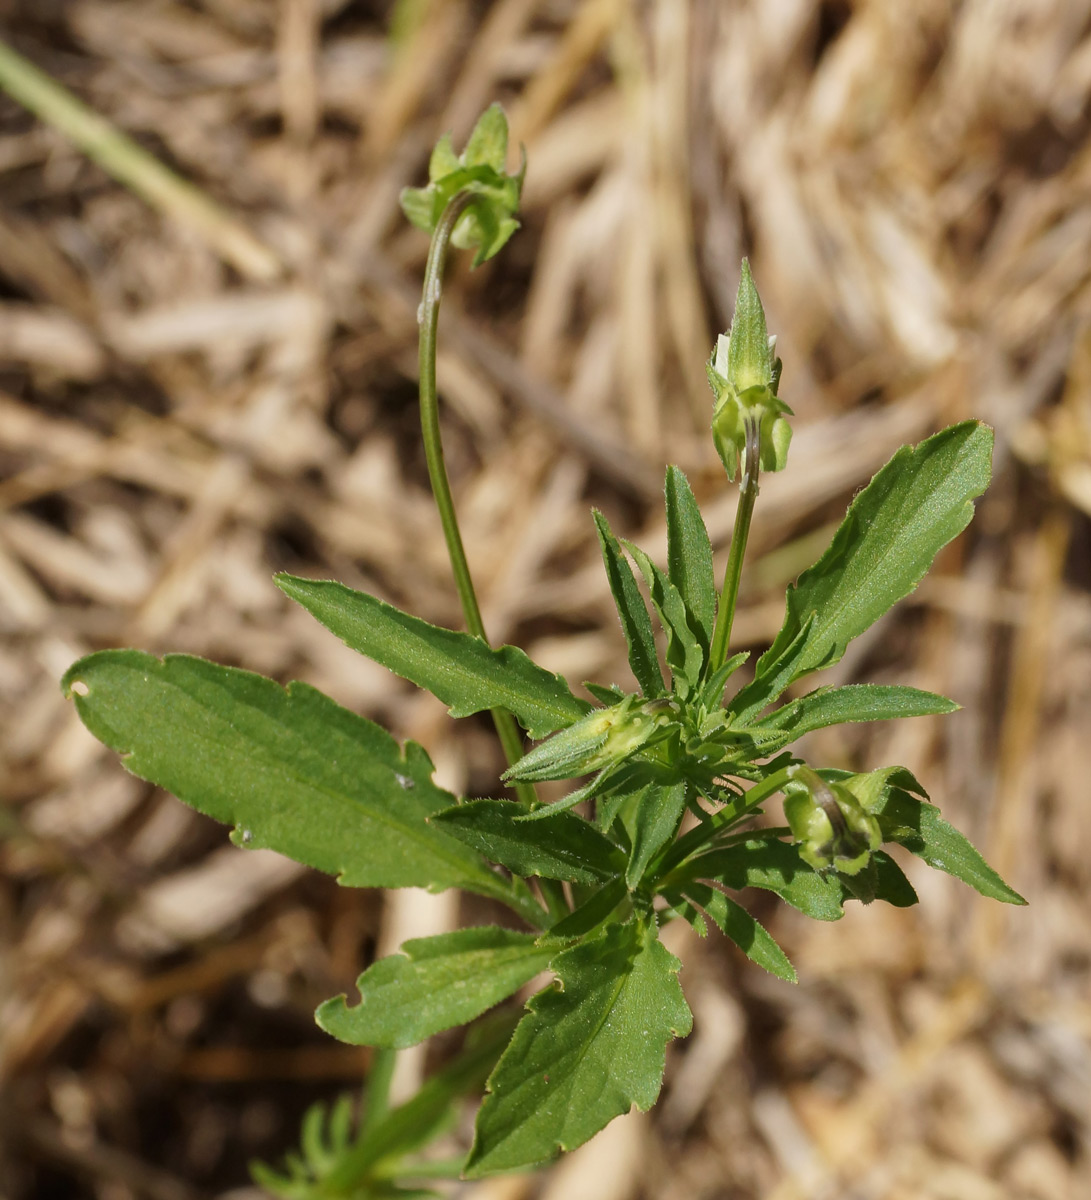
x: 833, y: 829
x: 603, y: 737
x: 744, y: 374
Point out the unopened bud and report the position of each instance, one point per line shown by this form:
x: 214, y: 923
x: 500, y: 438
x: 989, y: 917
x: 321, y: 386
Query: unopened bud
x: 833, y: 829
x: 744, y: 373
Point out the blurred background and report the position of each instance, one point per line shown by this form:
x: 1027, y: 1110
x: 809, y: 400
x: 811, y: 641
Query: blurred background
x: 207, y: 373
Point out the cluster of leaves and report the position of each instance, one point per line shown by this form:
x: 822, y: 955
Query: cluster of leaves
x: 383, y: 1153
x: 667, y: 780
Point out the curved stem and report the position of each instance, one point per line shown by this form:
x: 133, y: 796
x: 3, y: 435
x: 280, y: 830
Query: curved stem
x: 729, y: 594
x: 428, y: 317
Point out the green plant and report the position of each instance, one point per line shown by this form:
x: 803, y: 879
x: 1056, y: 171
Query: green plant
x: 291, y: 770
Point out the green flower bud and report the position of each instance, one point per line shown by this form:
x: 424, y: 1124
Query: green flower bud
x: 604, y: 737
x: 744, y: 373
x: 832, y: 827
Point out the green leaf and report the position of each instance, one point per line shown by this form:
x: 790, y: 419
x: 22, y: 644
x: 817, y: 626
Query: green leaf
x: 466, y: 673
x: 608, y: 696
x: 913, y: 507
x: 488, y: 143
x: 559, y: 846
x: 651, y: 819
x: 855, y: 702
x: 434, y: 984
x: 766, y: 862
x: 767, y: 685
x: 586, y: 1051
x: 752, y: 938
x: 635, y: 622
x: 589, y: 915
x: 685, y: 657
x: 289, y: 768
x: 921, y: 829
x: 689, y: 555
x: 891, y: 883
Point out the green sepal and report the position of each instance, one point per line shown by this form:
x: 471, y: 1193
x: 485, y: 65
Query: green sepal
x: 588, y: 1049
x: 434, y: 984
x: 467, y: 674
x: 560, y: 845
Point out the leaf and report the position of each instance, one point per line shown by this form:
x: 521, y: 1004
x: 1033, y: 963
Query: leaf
x: 434, y: 984
x: 892, y: 885
x: 752, y: 938
x: 689, y: 555
x: 467, y: 674
x: 289, y: 768
x: 488, y: 143
x: 921, y: 829
x: 855, y: 702
x: 912, y: 508
x: 770, y: 864
x: 585, y: 1052
x: 766, y: 686
x: 685, y: 657
x: 590, y: 914
x: 559, y: 846
x: 608, y: 696
x: 635, y: 622
x: 651, y: 819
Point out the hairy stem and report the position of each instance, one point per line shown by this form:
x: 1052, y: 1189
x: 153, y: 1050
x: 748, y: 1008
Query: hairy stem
x: 729, y: 594
x: 428, y: 316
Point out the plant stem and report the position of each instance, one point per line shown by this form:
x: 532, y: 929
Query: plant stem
x: 428, y: 317
x: 729, y: 594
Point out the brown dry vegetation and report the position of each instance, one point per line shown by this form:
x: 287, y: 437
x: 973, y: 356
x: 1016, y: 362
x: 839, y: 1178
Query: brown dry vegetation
x: 191, y: 398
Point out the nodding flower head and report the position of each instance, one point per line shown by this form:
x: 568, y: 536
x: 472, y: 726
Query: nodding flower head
x: 834, y: 831
x: 744, y: 373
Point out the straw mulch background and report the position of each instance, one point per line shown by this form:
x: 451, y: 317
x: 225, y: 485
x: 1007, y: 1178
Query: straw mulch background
x: 186, y: 406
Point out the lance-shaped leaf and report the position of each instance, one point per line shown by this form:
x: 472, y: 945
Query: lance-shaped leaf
x: 467, y: 674
x: 685, y: 657
x: 921, y: 829
x: 559, y: 846
x: 651, y: 816
x: 635, y: 622
x: 767, y: 862
x: 289, y: 768
x: 689, y: 555
x: 891, y: 884
x: 913, y: 507
x: 752, y: 938
x: 434, y: 984
x: 855, y: 702
x: 585, y: 1052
